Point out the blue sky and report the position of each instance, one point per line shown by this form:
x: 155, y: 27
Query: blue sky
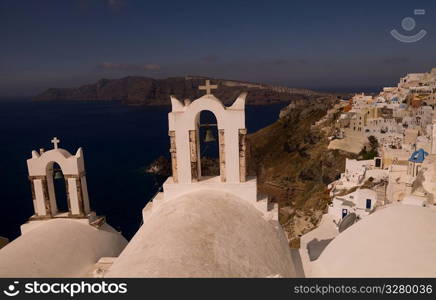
x: 333, y: 45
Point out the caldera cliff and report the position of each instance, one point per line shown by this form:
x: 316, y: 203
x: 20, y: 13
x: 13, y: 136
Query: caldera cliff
x: 136, y: 90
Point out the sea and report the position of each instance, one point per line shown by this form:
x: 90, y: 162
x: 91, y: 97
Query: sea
x: 118, y: 141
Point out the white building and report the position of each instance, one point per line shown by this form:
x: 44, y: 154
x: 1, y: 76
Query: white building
x: 412, y: 79
x: 361, y: 202
x: 425, y: 116
x: 381, y: 127
x: 357, y: 172
x: 361, y: 100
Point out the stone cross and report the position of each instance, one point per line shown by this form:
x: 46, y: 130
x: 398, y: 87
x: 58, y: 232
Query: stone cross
x: 208, y: 87
x: 55, y: 141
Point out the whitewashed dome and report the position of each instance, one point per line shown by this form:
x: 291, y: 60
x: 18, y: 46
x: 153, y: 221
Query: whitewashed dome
x: 206, y: 233
x: 59, y: 248
x: 397, y: 241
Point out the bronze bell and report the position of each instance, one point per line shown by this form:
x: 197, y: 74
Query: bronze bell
x: 209, y: 137
x: 58, y: 174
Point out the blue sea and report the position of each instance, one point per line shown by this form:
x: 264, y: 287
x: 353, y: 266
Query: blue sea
x: 118, y: 141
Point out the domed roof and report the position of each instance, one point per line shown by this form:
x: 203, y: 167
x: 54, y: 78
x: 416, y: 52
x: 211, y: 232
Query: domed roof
x: 397, y: 241
x: 206, y: 233
x: 418, y: 156
x: 59, y: 248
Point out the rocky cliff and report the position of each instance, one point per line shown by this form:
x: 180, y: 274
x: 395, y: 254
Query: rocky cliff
x: 294, y: 166
x: 134, y: 90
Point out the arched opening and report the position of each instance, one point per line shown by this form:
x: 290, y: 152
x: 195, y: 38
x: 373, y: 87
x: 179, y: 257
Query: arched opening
x: 209, y: 150
x: 57, y: 187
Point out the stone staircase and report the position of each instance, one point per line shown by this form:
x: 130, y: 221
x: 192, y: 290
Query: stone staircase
x: 380, y: 191
x: 269, y: 209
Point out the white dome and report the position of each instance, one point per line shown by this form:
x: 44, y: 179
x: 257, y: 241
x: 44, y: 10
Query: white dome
x: 397, y: 241
x: 205, y: 234
x: 59, y: 248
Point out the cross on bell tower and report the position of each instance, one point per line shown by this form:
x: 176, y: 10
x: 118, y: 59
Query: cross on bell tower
x: 55, y: 141
x: 208, y: 87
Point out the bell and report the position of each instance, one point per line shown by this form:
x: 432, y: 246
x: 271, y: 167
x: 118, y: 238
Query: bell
x: 208, y: 137
x: 58, y: 174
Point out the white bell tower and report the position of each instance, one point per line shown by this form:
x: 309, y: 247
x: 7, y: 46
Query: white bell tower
x: 183, y: 123
x: 41, y: 170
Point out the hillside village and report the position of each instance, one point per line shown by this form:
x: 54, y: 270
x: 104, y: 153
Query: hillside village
x: 394, y: 131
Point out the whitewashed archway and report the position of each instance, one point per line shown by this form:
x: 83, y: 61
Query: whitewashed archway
x: 40, y: 168
x: 183, y: 130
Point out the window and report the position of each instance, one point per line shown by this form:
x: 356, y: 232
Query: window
x: 377, y: 162
x: 368, y: 203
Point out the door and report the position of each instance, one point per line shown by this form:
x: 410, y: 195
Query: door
x: 344, y: 212
x: 378, y: 163
x: 368, y: 203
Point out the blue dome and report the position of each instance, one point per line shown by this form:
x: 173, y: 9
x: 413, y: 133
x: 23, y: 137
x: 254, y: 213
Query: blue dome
x: 418, y: 156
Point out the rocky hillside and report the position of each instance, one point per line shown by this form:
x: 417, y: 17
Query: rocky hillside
x: 294, y: 166
x: 134, y: 90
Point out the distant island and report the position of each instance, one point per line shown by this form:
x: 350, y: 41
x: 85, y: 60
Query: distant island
x: 136, y: 90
